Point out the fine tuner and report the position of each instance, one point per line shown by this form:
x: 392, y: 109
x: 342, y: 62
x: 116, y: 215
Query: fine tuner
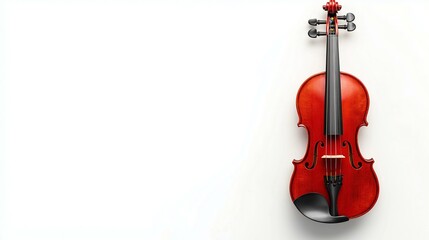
x: 350, y: 26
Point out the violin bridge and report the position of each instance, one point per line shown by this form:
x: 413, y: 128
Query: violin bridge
x: 333, y: 156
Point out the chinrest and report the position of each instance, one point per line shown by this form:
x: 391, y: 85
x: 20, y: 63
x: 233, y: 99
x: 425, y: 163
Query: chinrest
x: 315, y: 207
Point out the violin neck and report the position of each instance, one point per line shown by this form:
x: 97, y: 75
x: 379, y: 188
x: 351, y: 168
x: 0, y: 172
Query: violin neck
x: 333, y: 109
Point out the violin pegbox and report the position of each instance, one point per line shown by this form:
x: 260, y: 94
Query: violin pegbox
x: 332, y: 26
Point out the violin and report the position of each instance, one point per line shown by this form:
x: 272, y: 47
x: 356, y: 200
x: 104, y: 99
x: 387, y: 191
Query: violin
x: 333, y: 183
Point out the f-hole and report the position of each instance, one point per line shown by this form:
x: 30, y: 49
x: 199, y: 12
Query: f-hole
x: 359, y: 164
x: 315, y: 155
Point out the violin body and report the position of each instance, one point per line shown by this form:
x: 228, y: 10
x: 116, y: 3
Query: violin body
x: 333, y: 182
x: 360, y: 186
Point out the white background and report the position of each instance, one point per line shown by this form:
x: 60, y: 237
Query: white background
x: 176, y: 119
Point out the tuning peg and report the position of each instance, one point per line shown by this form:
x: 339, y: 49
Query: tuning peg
x: 313, y: 33
x: 315, y: 22
x: 350, y: 27
x: 349, y: 17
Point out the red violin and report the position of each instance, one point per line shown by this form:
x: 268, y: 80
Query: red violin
x: 333, y: 182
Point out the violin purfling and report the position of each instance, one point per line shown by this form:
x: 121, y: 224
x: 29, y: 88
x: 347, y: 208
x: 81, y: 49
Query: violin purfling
x: 333, y: 183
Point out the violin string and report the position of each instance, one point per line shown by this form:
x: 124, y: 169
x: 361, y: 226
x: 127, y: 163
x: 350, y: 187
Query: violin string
x: 335, y: 124
x: 330, y: 153
x: 326, y: 153
x: 341, y: 159
x: 329, y: 117
x: 341, y: 150
x: 332, y: 136
x: 326, y: 114
x: 330, y: 147
x: 335, y: 128
x: 340, y: 137
x: 326, y: 139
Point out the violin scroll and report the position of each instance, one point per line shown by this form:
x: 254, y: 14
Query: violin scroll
x: 332, y: 7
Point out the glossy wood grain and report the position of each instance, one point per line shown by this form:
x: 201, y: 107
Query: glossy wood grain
x: 360, y: 188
